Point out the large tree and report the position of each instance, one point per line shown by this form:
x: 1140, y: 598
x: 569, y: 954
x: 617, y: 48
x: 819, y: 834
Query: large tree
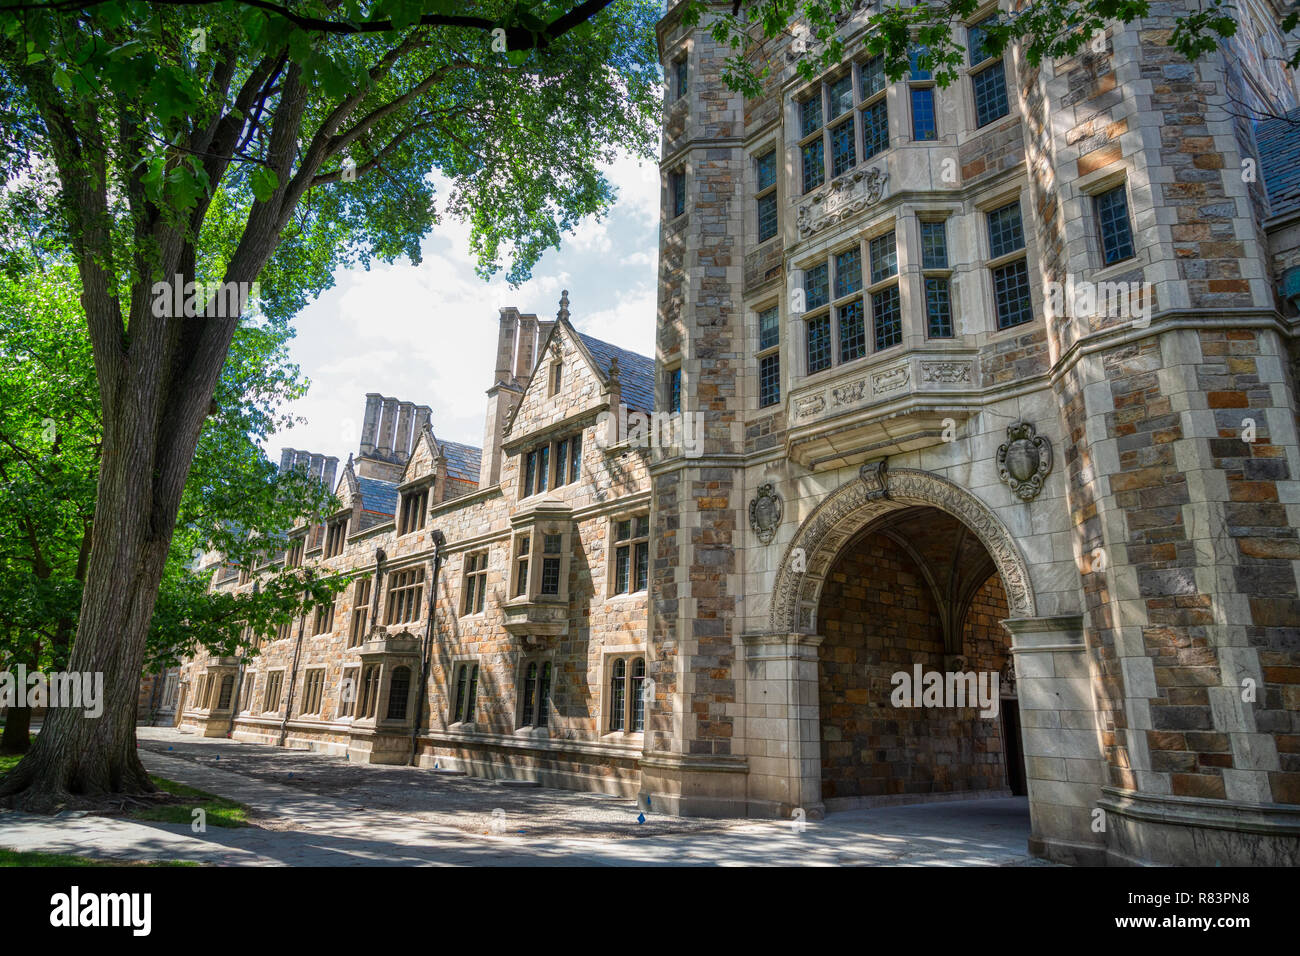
x: 235, y: 503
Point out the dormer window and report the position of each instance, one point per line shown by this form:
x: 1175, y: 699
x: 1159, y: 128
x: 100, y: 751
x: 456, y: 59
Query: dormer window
x: 335, y: 537
x: 414, y: 506
x: 293, y: 558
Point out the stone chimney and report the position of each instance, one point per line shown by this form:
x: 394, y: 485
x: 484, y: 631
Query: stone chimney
x: 387, y: 427
x: 370, y: 428
x: 329, y: 472
x: 402, y: 442
x: 302, y: 461
x: 526, y: 352
x: 316, y: 467
x: 506, y: 335
x: 423, y: 414
x: 286, y: 459
x: 503, y: 393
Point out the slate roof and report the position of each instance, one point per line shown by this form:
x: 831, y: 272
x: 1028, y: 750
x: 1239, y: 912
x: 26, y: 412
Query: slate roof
x: 463, y: 461
x: 636, y: 372
x: 378, y: 496
x: 1278, y: 139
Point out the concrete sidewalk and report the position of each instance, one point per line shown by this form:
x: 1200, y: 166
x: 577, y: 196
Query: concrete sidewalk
x: 306, y: 828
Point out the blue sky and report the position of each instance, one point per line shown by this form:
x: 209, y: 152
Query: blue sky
x: 427, y: 333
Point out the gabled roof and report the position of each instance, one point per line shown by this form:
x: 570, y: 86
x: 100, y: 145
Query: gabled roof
x: 636, y: 372
x: 377, y: 496
x: 463, y: 461
x: 1278, y: 139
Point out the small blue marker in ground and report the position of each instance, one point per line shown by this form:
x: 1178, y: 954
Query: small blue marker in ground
x: 640, y: 818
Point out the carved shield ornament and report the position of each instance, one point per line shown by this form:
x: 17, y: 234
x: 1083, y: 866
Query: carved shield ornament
x: 765, y: 513
x: 1025, y: 460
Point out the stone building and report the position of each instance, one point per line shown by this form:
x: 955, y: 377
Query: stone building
x: 995, y: 380
x: 537, y: 544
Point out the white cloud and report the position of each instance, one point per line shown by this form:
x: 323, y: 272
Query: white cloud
x: 427, y: 333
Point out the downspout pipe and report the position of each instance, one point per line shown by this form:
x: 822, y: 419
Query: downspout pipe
x: 439, y: 542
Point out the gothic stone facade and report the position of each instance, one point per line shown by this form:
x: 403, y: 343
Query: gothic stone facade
x: 924, y: 445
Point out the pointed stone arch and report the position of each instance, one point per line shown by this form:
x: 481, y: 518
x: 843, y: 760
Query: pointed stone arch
x: 853, y: 506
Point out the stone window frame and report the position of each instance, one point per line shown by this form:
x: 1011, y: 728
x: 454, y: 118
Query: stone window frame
x: 831, y: 309
x: 677, y: 185
x: 393, y: 701
x: 369, y: 684
x: 323, y: 618
x: 628, y: 654
x: 555, y: 378
x: 766, y: 353
x: 248, y: 693
x: 769, y: 193
x: 274, y: 681
x: 975, y: 69
x: 313, y: 685
x: 631, y: 542
x: 348, y: 699
x: 924, y: 83
x: 1088, y: 189
x: 473, y: 582
x: 463, y: 710
x: 413, y: 508
x: 678, y: 82
x: 336, y: 535
x: 539, y: 687
x: 539, y: 464
x: 402, y: 584
x: 359, y: 622
x: 673, y: 377
x: 296, y: 550
x: 529, y: 590
x: 990, y: 264
x: 935, y: 273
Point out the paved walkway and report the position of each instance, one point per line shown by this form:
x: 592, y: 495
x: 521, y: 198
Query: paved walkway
x: 447, y: 821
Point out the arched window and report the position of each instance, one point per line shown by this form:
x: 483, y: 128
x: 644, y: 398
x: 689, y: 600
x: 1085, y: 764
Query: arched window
x: 618, y: 696
x: 399, y: 689
x: 638, y: 695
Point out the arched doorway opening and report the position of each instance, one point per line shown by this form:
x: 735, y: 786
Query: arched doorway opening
x: 914, y: 666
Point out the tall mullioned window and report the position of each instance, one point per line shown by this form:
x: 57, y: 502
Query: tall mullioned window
x: 1009, y: 266
x: 769, y: 357
x: 626, y: 694
x: 336, y: 536
x: 681, y: 77
x: 536, y: 693
x: 466, y: 694
x: 920, y: 88
x: 886, y: 309
x: 842, y: 121
x: 765, y: 173
x: 631, y: 554
x: 405, y: 590
x: 936, y: 276
x: 987, y: 74
x: 1113, y: 225
x: 414, y: 506
x: 475, y: 587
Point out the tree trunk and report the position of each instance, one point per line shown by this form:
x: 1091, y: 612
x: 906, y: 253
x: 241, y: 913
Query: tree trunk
x: 78, y: 760
x: 18, y: 729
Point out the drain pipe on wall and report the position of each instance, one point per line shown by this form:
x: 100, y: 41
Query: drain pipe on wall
x: 439, y: 542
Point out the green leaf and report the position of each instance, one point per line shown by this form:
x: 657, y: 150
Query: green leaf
x: 264, y: 182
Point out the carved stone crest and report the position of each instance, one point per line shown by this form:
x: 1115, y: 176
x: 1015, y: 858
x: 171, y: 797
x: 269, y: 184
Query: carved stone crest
x: 765, y: 513
x: 874, y: 476
x: 1025, y: 460
x: 845, y: 196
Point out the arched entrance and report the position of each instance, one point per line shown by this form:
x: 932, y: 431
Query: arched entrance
x: 905, y: 572
x: 915, y: 597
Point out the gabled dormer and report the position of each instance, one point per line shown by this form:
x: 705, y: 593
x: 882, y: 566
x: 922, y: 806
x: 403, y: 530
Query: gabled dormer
x: 576, y: 378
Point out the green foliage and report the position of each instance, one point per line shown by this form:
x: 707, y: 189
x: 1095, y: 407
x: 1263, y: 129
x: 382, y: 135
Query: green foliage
x: 1044, y: 29
x: 234, y: 501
